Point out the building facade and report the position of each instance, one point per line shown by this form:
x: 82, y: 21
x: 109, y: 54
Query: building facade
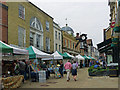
x: 69, y: 41
x: 110, y: 46
x: 95, y: 53
x: 3, y: 23
x: 57, y: 37
x: 90, y: 46
x: 29, y: 25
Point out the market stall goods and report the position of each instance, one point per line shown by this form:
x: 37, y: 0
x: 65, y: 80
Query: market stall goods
x: 12, y: 82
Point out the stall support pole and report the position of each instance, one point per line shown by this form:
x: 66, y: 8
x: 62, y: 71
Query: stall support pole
x: 29, y: 74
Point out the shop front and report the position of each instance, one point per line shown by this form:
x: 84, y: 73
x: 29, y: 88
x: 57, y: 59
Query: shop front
x: 105, y: 47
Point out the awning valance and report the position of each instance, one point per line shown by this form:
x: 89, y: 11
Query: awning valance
x: 5, y: 48
x: 35, y: 53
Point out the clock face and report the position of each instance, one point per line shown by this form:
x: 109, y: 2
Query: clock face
x: 83, y: 37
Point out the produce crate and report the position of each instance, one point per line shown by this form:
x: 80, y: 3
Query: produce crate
x: 42, y: 76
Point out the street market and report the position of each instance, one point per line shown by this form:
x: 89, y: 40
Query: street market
x: 65, y: 44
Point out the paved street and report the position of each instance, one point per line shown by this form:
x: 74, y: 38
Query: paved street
x: 83, y: 81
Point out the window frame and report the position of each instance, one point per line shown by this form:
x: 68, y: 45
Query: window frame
x: 47, y: 25
x: 19, y: 11
x: 56, y: 46
x: 23, y: 31
x: 55, y: 34
x: 59, y: 48
x: 59, y: 35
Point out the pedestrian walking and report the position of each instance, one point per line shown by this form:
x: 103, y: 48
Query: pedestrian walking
x: 74, y: 70
x: 61, y: 68
x: 68, y: 66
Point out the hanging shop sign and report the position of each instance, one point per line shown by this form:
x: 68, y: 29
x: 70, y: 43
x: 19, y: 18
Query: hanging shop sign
x: 112, y: 24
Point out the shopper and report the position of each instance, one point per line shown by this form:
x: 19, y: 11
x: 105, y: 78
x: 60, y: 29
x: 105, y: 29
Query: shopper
x: 22, y: 69
x: 61, y: 68
x: 74, y: 70
x: 44, y: 67
x: 90, y: 63
x: 68, y: 68
x: 16, y: 68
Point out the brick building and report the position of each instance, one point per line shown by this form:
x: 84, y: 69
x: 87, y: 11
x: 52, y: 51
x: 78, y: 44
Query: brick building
x: 69, y: 41
x: 3, y: 23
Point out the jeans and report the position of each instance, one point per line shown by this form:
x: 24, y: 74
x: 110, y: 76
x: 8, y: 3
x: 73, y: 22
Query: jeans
x: 61, y: 72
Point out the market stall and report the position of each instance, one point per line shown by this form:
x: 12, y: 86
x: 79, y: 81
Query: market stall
x: 54, y: 61
x: 91, y: 58
x: 69, y: 55
x: 35, y: 57
x: 55, y: 56
x: 9, y: 55
x: 80, y: 60
x: 87, y: 60
x: 35, y: 53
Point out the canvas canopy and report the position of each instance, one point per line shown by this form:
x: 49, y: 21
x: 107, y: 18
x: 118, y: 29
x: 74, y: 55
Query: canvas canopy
x: 91, y: 57
x: 69, y: 55
x: 79, y: 57
x: 5, y: 48
x: 65, y: 56
x: 35, y: 53
x: 55, y: 55
x: 86, y: 57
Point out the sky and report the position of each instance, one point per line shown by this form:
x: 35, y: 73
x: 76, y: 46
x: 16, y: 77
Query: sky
x: 85, y: 16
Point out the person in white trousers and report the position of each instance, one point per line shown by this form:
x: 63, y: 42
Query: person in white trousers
x: 68, y: 66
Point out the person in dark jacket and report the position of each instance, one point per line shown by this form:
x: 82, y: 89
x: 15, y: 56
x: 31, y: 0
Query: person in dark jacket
x: 61, y: 68
x: 22, y: 69
x: 44, y: 67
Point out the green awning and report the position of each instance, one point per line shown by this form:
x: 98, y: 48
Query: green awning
x: 5, y: 49
x: 35, y: 53
x: 91, y: 58
x: 116, y: 29
x: 32, y: 54
x: 65, y: 56
x: 85, y: 57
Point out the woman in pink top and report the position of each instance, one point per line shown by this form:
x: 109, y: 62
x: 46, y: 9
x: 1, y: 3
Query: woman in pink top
x: 68, y: 66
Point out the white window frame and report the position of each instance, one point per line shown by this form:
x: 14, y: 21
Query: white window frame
x: 59, y: 35
x: 23, y: 11
x: 56, y: 46
x: 24, y: 37
x: 47, y: 26
x: 55, y: 34
x: 48, y: 43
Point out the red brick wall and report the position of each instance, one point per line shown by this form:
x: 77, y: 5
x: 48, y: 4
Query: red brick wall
x: 3, y: 24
